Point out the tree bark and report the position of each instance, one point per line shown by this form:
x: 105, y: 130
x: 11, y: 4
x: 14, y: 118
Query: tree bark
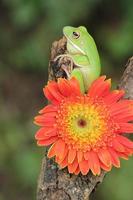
x: 58, y: 184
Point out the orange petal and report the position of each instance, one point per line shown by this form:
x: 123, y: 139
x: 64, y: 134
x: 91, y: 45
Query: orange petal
x: 84, y: 166
x: 73, y: 166
x: 60, y: 148
x: 44, y: 121
x: 51, y: 151
x: 45, y: 118
x: 94, y: 88
x: 126, y: 128
x: 57, y: 159
x: 47, y: 142
x: 64, y: 155
x: 103, y: 88
x: 114, y: 96
x: 49, y: 96
x: 123, y: 155
x: 64, y: 163
x: 94, y: 163
x: 117, y: 146
x: 114, y: 156
x: 77, y: 171
x: 64, y: 87
x: 104, y: 167
x: 80, y: 156
x: 86, y: 155
x: 48, y: 108
x: 129, y: 151
x: 120, y: 107
x: 104, y: 157
x: 54, y: 90
x: 125, y: 141
x: 71, y: 155
x: 74, y: 83
x: 45, y: 133
x: 49, y: 114
x: 125, y: 117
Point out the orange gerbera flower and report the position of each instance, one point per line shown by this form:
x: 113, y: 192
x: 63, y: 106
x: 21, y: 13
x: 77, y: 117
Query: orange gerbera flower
x: 85, y: 130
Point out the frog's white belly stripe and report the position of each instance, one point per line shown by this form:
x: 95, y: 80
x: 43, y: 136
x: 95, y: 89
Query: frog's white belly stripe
x: 76, y: 47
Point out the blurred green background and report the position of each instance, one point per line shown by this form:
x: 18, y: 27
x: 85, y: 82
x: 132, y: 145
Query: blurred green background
x: 27, y: 29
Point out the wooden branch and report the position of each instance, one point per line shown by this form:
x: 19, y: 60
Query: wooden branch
x: 58, y: 184
x: 126, y: 81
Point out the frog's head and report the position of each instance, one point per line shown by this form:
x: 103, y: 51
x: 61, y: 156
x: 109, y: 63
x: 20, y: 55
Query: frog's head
x: 75, y: 39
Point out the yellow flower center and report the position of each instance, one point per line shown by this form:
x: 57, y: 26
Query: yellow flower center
x: 83, y: 124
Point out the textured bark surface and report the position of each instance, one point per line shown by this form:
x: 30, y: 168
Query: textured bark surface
x: 126, y: 81
x: 58, y: 184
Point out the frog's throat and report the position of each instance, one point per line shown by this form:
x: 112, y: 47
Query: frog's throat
x: 74, y: 45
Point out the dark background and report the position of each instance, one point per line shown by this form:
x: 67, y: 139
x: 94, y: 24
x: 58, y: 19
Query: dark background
x: 27, y: 30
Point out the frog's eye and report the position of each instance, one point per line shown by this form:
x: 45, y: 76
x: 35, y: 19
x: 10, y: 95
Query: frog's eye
x: 76, y: 35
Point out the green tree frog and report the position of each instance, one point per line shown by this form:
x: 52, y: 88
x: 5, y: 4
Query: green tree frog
x: 82, y: 50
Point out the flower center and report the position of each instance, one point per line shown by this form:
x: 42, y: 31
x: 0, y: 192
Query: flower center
x: 83, y: 123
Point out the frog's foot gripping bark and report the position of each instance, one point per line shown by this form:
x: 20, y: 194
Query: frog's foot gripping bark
x: 62, y: 58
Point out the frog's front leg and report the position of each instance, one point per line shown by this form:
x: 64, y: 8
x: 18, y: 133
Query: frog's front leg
x: 61, y: 58
x: 65, y: 69
x: 80, y: 60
